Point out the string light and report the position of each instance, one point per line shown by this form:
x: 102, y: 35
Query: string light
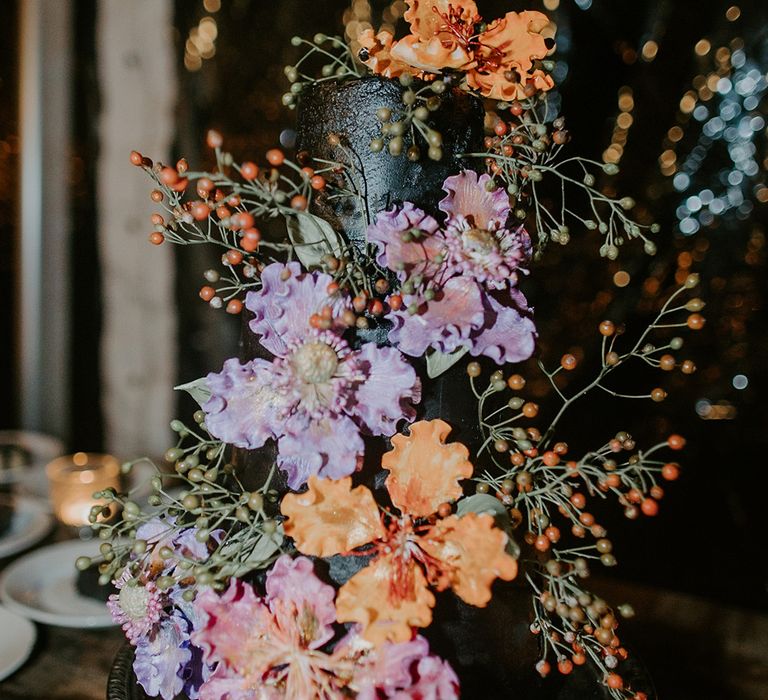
x: 624, y: 121
x: 201, y: 43
x: 724, y: 106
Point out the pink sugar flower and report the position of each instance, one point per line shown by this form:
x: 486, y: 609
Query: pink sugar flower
x: 273, y: 647
x: 459, y: 279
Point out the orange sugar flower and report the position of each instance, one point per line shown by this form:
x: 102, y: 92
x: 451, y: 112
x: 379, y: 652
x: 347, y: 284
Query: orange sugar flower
x: 504, y: 59
x: 409, y: 550
x: 376, y: 53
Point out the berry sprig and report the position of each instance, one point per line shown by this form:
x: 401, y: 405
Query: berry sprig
x: 408, y: 131
x: 338, y: 63
x: 523, y: 150
x: 546, y: 492
x: 202, y: 495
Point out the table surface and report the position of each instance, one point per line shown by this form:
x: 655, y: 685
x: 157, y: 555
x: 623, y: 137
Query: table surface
x: 694, y: 648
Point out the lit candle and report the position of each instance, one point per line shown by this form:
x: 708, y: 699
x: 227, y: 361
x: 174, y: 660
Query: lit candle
x: 75, y: 478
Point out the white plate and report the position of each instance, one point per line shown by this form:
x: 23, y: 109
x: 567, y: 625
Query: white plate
x: 31, y: 521
x: 41, y: 450
x: 17, y: 637
x: 41, y: 586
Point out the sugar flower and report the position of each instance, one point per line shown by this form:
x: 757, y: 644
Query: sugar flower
x: 459, y: 279
x: 274, y: 646
x: 498, y: 62
x: 318, y: 394
x: 410, y: 550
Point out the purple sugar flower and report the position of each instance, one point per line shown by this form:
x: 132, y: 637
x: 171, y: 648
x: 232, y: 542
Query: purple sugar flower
x: 459, y: 280
x: 317, y: 394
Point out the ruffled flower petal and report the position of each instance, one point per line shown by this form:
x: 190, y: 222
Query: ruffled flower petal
x: 331, y: 517
x: 471, y: 550
x: 468, y: 197
x: 389, y: 391
x: 445, y: 324
x: 411, y: 257
x: 424, y: 471
x: 231, y: 628
x: 243, y: 404
x: 428, y: 17
x: 505, y: 60
x: 293, y: 581
x: 388, y: 669
x: 328, y: 447
x: 377, y: 52
x: 508, y: 334
x: 387, y: 600
x: 282, y: 307
x: 431, y: 55
x: 160, y: 660
x: 436, y: 680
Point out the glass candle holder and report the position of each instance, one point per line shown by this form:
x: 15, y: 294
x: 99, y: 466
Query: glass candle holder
x: 73, y: 479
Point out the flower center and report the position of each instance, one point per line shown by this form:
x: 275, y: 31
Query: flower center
x: 134, y: 600
x: 315, y: 363
x: 478, y: 240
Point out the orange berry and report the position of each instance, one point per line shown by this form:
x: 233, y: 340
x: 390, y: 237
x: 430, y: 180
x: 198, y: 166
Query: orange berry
x: 205, y: 184
x: 688, y: 367
x: 657, y: 492
x: 550, y: 458
x: 568, y: 362
x: 207, y: 293
x: 223, y: 212
x: 649, y: 507
x: 579, y: 659
x: 658, y: 394
x: 250, y: 240
x: 249, y: 170
x: 500, y: 128
x: 543, y: 668
x: 695, y: 322
x: 530, y: 410
x: 565, y: 666
x: 670, y: 471
x: 235, y: 306
x: 587, y: 519
x: 156, y: 238
x: 552, y: 533
x: 234, y: 257
x: 395, y: 302
x: 199, y: 211
x: 375, y: 307
x: 136, y: 158
x: 317, y: 182
x: 444, y: 510
x: 560, y: 448
x: 243, y: 220
x: 214, y: 139
x: 578, y: 500
x: 667, y: 362
x: 180, y: 186
x: 634, y: 495
x: 157, y: 219
x: 332, y: 288
x: 156, y: 196
x: 516, y: 382
x: 578, y: 531
x: 613, y: 481
x: 182, y: 166
x: 542, y: 543
x: 614, y: 681
x: 299, y: 202
x: 606, y: 328
x: 168, y: 176
x: 676, y: 442
x: 275, y: 157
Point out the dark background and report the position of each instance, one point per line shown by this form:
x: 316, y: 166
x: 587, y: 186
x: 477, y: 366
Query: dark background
x: 707, y: 538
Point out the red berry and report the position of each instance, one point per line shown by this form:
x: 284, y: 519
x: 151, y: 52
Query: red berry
x: 234, y: 257
x: 275, y: 156
x: 199, y: 211
x: 670, y: 471
x: 250, y: 240
x: 235, y: 306
x: 207, y: 293
x: 649, y: 507
x: 168, y: 176
x: 136, y: 158
x: 249, y: 170
x: 156, y: 238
